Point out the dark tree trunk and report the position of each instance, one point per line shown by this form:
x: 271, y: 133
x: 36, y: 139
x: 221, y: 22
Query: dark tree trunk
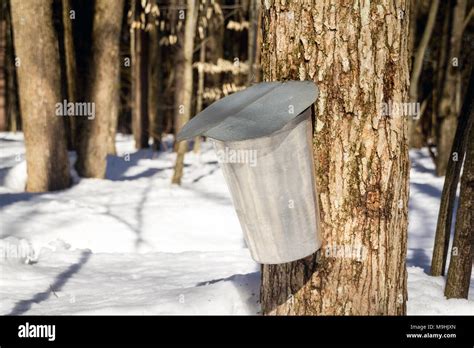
x: 450, y: 88
x: 445, y: 215
x: 155, y: 87
x: 70, y: 71
x: 103, y: 89
x: 139, y: 49
x: 12, y: 101
x: 252, y: 40
x: 200, y: 90
x: 414, y: 133
x: 3, y: 54
x: 460, y: 267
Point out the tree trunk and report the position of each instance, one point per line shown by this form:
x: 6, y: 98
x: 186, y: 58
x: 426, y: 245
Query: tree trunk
x: 3, y: 81
x: 139, y: 51
x: 186, y: 102
x: 12, y: 102
x: 104, y: 77
x: 252, y: 40
x: 414, y: 135
x: 460, y: 267
x: 357, y: 54
x: 40, y: 89
x: 449, y: 103
x: 215, y: 48
x: 200, y: 90
x: 448, y: 196
x: 178, y: 83
x: 154, y: 87
x: 70, y: 63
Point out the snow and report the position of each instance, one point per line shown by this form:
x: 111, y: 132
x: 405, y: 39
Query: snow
x: 135, y: 244
x: 426, y: 293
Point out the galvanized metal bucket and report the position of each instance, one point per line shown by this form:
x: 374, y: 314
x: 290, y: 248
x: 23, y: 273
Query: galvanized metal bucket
x: 275, y: 195
x: 269, y: 170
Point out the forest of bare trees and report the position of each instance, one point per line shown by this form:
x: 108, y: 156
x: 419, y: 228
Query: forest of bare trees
x: 74, y: 74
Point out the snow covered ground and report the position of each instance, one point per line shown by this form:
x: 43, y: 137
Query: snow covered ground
x: 135, y: 244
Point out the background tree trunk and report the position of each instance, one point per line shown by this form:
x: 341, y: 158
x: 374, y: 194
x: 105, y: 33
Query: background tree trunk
x: 178, y: 69
x: 357, y: 54
x: 449, y: 102
x: 70, y: 64
x: 186, y: 102
x: 448, y: 196
x: 104, y: 77
x: 155, y: 81
x: 200, y: 90
x: 252, y: 40
x: 215, y: 49
x: 140, y: 117
x: 40, y: 89
x: 12, y: 102
x: 414, y: 135
x: 3, y: 54
x: 460, y: 267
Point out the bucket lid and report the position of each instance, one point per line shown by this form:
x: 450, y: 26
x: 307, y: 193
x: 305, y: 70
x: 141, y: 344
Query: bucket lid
x: 255, y: 112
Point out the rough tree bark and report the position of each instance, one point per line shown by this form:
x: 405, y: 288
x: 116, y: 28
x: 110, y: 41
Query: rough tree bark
x: 187, y: 88
x: 448, y: 196
x: 139, y: 49
x: 103, y: 84
x: 36, y: 46
x: 357, y: 54
x: 460, y: 267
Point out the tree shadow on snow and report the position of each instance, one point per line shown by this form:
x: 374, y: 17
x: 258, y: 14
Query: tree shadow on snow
x: 418, y: 165
x: 247, y: 286
x: 23, y: 306
x: 427, y: 189
x: 212, y: 171
x: 12, y: 198
x: 418, y: 258
x: 117, y: 166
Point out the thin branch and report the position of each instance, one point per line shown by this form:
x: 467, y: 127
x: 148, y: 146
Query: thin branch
x: 420, y: 54
x: 468, y: 19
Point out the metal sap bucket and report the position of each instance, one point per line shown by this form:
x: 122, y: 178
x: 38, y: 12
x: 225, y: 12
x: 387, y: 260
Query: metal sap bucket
x: 266, y: 156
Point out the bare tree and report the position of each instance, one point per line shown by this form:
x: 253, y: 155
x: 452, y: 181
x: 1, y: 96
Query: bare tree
x: 448, y: 196
x: 103, y: 89
x: 155, y: 81
x: 187, y: 88
x: 200, y: 90
x: 12, y: 107
x: 460, y: 267
x: 139, y: 49
x: 3, y: 61
x: 358, y: 56
x: 40, y: 90
x: 254, y: 10
x: 414, y: 134
x: 449, y: 104
x: 70, y: 65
